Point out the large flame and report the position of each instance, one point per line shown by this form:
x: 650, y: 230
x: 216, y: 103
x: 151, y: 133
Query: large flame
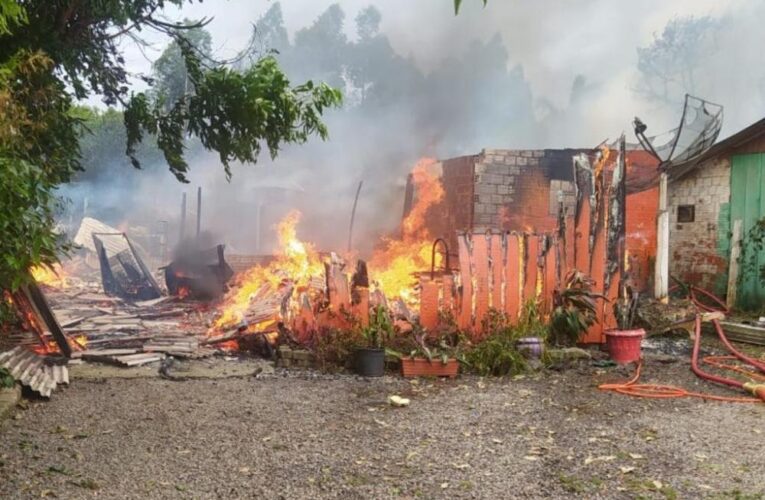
x: 295, y: 261
x: 53, y: 276
x: 394, y: 264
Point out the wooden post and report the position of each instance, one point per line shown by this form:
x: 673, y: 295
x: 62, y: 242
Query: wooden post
x: 408, y: 196
x: 353, y: 217
x: 183, y: 219
x: 735, y: 253
x: 199, y: 210
x: 661, y: 273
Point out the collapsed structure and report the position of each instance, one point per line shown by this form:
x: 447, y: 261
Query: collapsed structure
x: 493, y: 230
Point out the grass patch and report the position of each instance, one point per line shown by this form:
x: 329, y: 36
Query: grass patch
x: 88, y: 484
x: 59, y: 469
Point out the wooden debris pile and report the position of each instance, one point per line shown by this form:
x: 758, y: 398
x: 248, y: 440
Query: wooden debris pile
x: 117, y: 331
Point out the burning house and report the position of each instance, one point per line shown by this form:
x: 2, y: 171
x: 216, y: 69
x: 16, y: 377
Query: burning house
x: 525, y: 191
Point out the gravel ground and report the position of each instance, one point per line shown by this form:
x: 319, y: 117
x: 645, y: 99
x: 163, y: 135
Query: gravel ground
x: 320, y: 436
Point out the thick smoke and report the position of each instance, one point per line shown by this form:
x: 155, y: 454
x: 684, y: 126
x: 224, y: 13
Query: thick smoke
x: 420, y: 82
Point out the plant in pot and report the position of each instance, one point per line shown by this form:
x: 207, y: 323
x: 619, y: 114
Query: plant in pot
x: 623, y: 344
x: 574, y: 310
x: 370, y: 358
x: 439, y: 359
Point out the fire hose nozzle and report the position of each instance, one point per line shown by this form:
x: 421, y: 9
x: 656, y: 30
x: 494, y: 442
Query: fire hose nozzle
x: 757, y: 390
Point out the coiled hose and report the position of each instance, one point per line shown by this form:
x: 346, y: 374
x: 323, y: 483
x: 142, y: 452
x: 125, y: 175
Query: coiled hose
x: 756, y: 386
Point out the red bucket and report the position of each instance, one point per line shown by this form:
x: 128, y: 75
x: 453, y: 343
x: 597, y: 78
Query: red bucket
x: 624, y: 345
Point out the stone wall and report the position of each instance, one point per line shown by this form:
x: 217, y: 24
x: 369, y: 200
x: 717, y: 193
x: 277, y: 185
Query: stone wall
x: 699, y: 249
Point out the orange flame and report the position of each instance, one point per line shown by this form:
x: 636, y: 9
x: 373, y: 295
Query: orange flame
x: 296, y: 261
x: 53, y: 276
x: 394, y: 264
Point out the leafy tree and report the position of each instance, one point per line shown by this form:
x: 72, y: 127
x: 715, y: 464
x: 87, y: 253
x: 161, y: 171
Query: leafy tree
x: 368, y: 23
x: 106, y: 134
x: 53, y: 52
x: 668, y: 65
x: 171, y: 77
x: 268, y: 34
x: 323, y: 47
x: 367, y: 54
x: 11, y: 14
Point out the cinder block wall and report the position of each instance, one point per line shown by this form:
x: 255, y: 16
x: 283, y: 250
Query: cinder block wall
x: 513, y: 188
x: 699, y: 250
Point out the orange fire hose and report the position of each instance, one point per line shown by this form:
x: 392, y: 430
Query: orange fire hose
x: 632, y: 388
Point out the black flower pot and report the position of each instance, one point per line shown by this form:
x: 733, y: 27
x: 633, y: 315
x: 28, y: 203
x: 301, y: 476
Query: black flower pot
x: 370, y: 362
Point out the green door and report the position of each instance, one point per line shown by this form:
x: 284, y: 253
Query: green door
x: 747, y: 202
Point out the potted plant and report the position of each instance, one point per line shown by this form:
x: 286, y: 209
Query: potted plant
x: 369, y: 359
x: 574, y: 310
x: 430, y: 361
x: 623, y: 343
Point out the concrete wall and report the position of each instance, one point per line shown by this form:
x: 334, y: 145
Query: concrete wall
x: 699, y: 250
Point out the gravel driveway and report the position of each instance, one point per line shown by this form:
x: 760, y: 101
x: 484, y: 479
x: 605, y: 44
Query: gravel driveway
x: 302, y: 435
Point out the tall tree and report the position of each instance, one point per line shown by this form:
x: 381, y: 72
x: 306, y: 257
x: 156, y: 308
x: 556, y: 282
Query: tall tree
x: 53, y: 52
x: 269, y: 36
x: 322, y: 48
x: 668, y: 65
x: 171, y: 78
x: 365, y: 54
x: 368, y: 23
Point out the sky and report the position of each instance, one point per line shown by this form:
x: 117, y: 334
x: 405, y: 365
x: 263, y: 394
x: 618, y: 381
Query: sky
x: 554, y: 40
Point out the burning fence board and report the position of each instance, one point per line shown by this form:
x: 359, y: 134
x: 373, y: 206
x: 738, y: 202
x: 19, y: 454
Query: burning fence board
x: 490, y: 281
x: 39, y: 316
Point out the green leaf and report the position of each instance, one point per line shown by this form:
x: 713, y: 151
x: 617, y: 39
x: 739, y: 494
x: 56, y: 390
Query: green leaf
x: 458, y: 4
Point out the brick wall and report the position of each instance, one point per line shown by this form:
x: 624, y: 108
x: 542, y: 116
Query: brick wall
x: 699, y: 249
x: 457, y: 180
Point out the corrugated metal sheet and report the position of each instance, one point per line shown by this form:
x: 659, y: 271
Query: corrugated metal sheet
x: 84, y: 236
x: 32, y: 371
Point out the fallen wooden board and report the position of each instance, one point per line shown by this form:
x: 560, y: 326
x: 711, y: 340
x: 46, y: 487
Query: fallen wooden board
x: 742, y: 332
x: 94, y: 297
x: 153, y: 302
x: 137, y: 359
x: 67, y: 322
x: 104, y: 352
x: 140, y: 359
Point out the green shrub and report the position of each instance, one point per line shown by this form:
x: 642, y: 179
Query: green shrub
x: 497, y: 352
x: 334, y: 347
x: 574, y: 309
x: 6, y: 379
